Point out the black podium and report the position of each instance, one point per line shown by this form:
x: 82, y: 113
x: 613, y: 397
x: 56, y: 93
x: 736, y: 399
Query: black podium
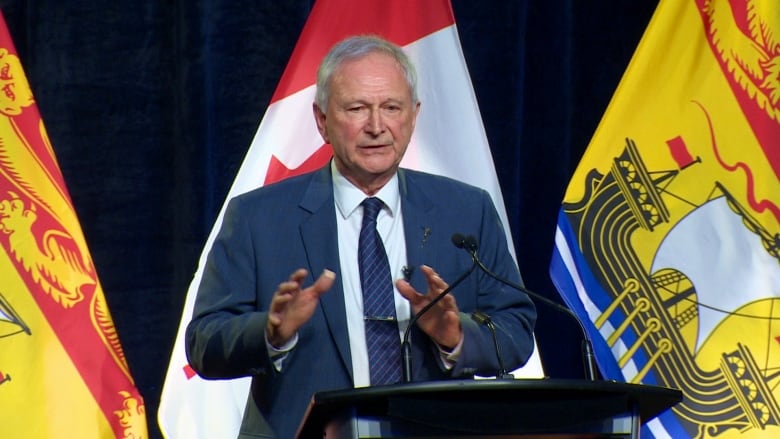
x: 535, y: 408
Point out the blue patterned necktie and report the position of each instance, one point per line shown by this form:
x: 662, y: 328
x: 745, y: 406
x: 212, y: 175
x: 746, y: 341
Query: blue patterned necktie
x: 382, y: 339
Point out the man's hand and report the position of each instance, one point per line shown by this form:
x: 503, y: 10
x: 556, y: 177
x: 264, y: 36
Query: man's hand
x: 293, y: 305
x: 442, y: 321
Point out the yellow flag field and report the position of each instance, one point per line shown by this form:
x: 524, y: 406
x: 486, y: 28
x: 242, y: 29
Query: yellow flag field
x: 668, y: 239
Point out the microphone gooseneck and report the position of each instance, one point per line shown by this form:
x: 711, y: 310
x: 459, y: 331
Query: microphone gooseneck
x: 469, y: 243
x: 406, y: 347
x: 484, y: 319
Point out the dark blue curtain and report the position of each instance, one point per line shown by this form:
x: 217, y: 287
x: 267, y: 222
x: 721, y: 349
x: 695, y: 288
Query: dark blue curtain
x: 151, y: 106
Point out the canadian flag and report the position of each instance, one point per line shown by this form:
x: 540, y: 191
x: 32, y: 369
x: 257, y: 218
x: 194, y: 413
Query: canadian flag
x: 449, y: 140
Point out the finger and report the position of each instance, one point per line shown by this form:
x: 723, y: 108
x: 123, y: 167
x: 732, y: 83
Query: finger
x: 435, y: 283
x: 427, y: 270
x: 299, y: 275
x: 279, y: 301
x: 407, y: 291
x: 276, y: 309
x: 448, y: 303
x: 274, y: 320
x: 293, y: 283
x: 287, y: 289
x: 323, y: 283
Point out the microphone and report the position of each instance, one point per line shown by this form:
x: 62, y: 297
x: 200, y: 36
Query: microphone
x: 469, y: 243
x: 406, y: 346
x: 484, y: 319
x: 407, y: 272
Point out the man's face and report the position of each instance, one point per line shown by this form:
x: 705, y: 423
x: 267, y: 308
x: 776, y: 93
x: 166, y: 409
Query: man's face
x: 369, y: 119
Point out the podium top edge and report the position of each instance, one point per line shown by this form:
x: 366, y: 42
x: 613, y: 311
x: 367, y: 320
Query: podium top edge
x: 493, y: 385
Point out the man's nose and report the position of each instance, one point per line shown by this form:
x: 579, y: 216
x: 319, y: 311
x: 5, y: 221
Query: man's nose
x: 375, y: 124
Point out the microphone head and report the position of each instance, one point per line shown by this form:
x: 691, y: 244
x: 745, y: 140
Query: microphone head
x: 470, y: 243
x: 459, y: 240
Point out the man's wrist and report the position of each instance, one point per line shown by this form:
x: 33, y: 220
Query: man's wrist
x: 450, y: 356
x: 281, y: 348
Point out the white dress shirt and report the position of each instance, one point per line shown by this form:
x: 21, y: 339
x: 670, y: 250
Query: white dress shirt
x: 349, y: 219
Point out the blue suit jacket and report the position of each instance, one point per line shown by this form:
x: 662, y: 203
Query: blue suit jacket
x: 268, y: 233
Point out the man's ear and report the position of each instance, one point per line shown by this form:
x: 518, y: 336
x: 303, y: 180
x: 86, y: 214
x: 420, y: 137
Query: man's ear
x: 319, y: 118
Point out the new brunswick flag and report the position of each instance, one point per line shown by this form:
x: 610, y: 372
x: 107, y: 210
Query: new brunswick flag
x: 62, y: 369
x: 668, y: 240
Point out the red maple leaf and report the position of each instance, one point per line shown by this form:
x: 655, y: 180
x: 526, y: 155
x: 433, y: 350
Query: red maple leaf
x: 277, y: 170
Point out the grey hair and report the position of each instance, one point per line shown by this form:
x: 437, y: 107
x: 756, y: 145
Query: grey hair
x: 354, y: 48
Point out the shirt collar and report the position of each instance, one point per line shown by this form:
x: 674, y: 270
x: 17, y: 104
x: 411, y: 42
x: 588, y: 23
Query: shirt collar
x: 348, y: 197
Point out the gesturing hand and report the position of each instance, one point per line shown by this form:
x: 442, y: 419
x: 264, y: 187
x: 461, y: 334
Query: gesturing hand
x: 293, y: 305
x: 442, y: 321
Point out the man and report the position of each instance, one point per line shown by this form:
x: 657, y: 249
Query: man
x: 314, y: 331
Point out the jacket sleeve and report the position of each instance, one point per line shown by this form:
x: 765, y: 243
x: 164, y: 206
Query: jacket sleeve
x: 225, y: 338
x: 512, y: 312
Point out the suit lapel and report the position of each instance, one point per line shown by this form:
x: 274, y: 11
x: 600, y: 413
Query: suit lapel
x: 419, y: 226
x: 419, y: 230
x: 320, y: 242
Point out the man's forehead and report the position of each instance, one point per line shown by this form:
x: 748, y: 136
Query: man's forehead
x: 370, y: 73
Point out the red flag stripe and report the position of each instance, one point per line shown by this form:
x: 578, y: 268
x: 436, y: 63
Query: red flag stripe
x: 343, y: 18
